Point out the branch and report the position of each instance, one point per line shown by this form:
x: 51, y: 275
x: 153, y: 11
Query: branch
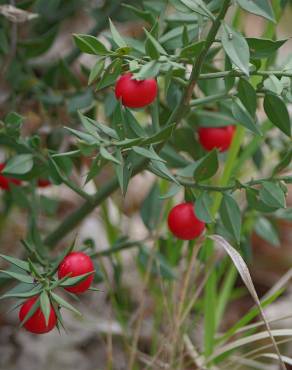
x: 235, y: 73
x: 236, y: 186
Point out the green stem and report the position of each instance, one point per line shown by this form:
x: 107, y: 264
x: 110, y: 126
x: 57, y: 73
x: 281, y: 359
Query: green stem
x: 211, y: 99
x: 233, y: 73
x: 117, y: 248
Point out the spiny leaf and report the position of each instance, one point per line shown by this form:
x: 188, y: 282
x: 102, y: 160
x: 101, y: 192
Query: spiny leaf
x: 64, y: 303
x: 17, y: 262
x: 17, y: 276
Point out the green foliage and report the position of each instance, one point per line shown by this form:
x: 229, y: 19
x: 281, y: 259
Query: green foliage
x: 84, y: 125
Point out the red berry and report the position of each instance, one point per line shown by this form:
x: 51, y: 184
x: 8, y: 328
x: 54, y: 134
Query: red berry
x: 6, y: 181
x: 216, y: 137
x: 183, y: 222
x: 76, y: 264
x: 134, y: 93
x: 43, y: 183
x: 37, y: 323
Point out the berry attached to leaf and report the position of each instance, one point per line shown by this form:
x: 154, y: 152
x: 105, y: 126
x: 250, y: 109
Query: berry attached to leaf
x: 216, y: 137
x: 183, y: 223
x: 37, y: 323
x: 134, y: 93
x: 76, y: 264
x: 5, y: 181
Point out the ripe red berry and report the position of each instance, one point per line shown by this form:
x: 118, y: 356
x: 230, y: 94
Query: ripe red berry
x: 134, y: 93
x: 183, y: 222
x: 216, y: 137
x: 43, y: 183
x: 6, y: 181
x: 37, y: 323
x: 76, y: 264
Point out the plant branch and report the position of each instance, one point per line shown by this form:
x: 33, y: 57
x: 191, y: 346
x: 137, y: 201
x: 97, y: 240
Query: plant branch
x: 235, y: 73
x: 111, y: 186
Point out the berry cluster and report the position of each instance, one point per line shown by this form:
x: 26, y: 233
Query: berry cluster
x: 73, y: 265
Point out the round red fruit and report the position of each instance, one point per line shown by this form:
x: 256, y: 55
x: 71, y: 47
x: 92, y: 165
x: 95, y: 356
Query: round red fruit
x: 6, y: 181
x: 134, y: 93
x: 76, y: 264
x: 37, y: 323
x: 183, y: 223
x: 43, y: 183
x: 216, y: 137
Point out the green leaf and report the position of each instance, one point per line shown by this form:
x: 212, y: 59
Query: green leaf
x: 124, y: 171
x: 118, y: 120
x: 273, y: 84
x: 198, y: 6
x: 263, y: 48
x: 143, y: 14
x: 247, y: 95
x: 230, y: 215
x: 187, y: 171
x: 283, y: 163
x: 133, y: 127
x: 110, y: 75
x: 172, y: 39
x: 45, y: 305
x: 17, y: 276
x: 88, y: 138
x: 213, y: 119
x: 64, y: 303
x: 90, y: 44
x: 17, y: 262
x: 96, y: 71
x: 206, y: 167
x: 262, y: 8
x: 148, y: 153
x: 161, y: 170
x: 266, y: 230
x: 148, y: 70
x: 161, y: 135
x: 203, y: 207
x: 244, y: 118
x: 13, y: 119
x: 30, y: 293
x: 236, y: 48
x: 116, y: 36
x: 172, y: 192
x: 277, y: 112
x: 97, y: 126
x: 19, y: 165
x: 272, y: 195
x: 107, y: 155
x: 71, y: 281
x: 192, y: 50
x: 151, y: 208
x: 153, y: 47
